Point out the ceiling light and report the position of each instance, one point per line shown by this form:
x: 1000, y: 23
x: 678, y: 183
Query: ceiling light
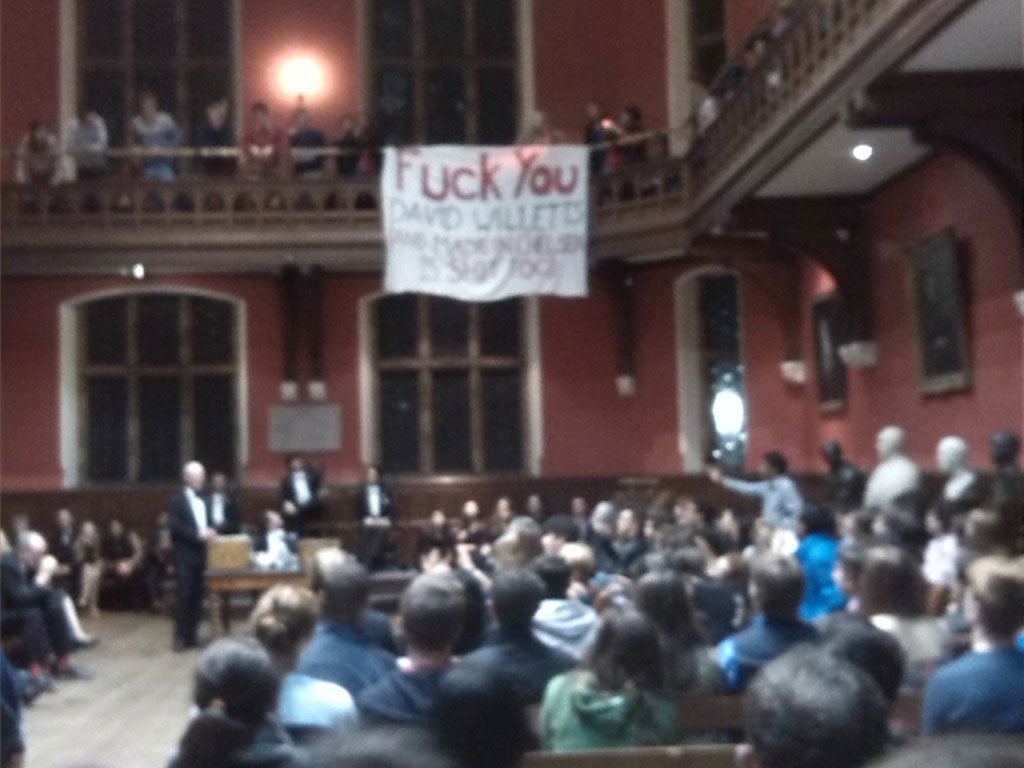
x: 862, y: 152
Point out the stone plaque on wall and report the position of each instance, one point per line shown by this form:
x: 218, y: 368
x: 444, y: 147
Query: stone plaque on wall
x: 305, y: 428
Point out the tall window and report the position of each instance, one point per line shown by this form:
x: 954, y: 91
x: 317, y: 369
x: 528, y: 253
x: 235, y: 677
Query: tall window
x: 179, y: 49
x: 726, y: 412
x: 158, y: 384
x: 449, y: 382
x: 709, y: 45
x: 444, y: 71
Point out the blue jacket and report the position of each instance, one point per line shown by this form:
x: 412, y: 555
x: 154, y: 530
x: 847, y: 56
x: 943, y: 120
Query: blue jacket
x: 980, y: 692
x: 817, y: 554
x: 741, y: 655
x: 344, y: 655
x: 524, y: 659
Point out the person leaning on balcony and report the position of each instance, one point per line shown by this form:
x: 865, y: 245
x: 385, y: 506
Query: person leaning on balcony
x: 217, y: 133
x: 37, y: 155
x: 153, y: 129
x: 88, y: 142
x: 263, y: 145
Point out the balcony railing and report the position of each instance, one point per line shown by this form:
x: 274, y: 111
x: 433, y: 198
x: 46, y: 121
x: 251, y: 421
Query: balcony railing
x: 797, y: 87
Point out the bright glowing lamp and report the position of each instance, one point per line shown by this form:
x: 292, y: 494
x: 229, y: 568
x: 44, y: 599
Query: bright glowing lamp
x: 729, y: 412
x: 301, y: 76
x: 862, y: 152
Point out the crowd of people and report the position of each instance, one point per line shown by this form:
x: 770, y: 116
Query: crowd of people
x: 581, y: 629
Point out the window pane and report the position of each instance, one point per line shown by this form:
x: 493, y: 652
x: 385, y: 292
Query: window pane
x: 159, y: 339
x: 213, y: 331
x: 155, y: 29
x: 203, y: 86
x: 209, y: 28
x: 106, y: 332
x: 396, y: 326
x: 503, y: 429
x: 102, y: 27
x: 103, y: 89
x: 449, y: 328
x: 159, y: 428
x: 395, y: 107
x: 498, y: 105
x: 392, y: 27
x: 708, y: 16
x: 215, y: 422
x: 719, y: 308
x: 108, y: 428
x: 446, y: 106
x: 452, y: 431
x: 445, y: 29
x: 710, y: 59
x: 399, y: 422
x: 499, y: 328
x: 495, y: 27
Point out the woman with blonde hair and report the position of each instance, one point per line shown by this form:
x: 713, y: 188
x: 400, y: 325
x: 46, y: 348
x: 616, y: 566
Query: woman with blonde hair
x: 283, y: 622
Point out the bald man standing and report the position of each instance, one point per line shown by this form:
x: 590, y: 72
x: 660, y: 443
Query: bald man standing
x: 187, y: 517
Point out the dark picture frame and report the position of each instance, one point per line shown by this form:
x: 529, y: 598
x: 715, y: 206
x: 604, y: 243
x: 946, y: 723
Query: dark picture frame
x: 938, y: 299
x: 827, y: 318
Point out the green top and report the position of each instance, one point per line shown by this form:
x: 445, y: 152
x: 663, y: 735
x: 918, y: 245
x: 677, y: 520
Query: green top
x: 576, y: 715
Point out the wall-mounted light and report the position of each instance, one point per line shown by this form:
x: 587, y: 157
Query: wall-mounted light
x: 138, y: 270
x: 301, y: 76
x: 862, y: 152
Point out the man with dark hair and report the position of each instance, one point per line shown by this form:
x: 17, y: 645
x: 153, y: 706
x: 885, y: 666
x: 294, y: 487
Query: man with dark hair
x: 868, y: 648
x: 809, y: 709
x: 559, y: 530
x: 983, y: 690
x: 844, y: 489
x: 340, y: 651
x: 301, y: 496
x: 224, y: 514
x: 776, y: 590
x: 781, y: 500
x: 377, y: 513
x: 560, y: 622
x: 513, y: 650
x: 432, y: 611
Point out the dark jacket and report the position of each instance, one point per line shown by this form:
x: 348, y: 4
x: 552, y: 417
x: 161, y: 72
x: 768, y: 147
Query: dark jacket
x: 744, y: 653
x: 17, y: 588
x: 344, y: 655
x: 402, y: 698
x: 189, y: 550
x: 526, y: 661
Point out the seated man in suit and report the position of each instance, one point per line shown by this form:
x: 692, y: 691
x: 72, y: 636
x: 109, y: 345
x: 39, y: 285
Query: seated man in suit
x: 376, y: 511
x: 36, y: 611
x: 301, y: 495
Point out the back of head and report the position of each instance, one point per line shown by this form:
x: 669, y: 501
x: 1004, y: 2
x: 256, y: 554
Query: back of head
x: 580, y: 559
x: 778, y: 585
x: 235, y: 689
x: 808, y: 709
x: 627, y: 652
x: 832, y: 450
x: 1005, y: 447
x: 346, y: 590
x: 283, y: 619
x: 891, y: 583
x: 818, y: 518
x: 515, y: 595
x: 480, y: 718
x: 405, y: 747
x: 662, y: 597
x: 562, y: 526
x: 996, y: 591
x: 433, y: 610
x: 776, y: 462
x: 555, y: 573
x: 876, y: 653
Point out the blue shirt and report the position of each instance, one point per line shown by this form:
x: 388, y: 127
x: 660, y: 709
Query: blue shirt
x: 310, y: 703
x: 344, y: 655
x: 781, y: 500
x: 817, y: 554
x: 980, y: 692
x: 741, y: 655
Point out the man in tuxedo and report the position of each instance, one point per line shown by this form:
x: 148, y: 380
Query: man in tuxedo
x: 190, y: 530
x: 376, y: 511
x: 223, y: 506
x: 301, y: 495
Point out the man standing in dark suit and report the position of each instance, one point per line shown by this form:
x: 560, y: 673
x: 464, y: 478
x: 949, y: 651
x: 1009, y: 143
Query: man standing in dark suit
x: 301, y: 496
x: 190, y: 530
x: 376, y: 511
x: 223, y: 506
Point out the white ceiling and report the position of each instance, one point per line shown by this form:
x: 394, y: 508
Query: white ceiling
x: 826, y: 167
x: 989, y: 35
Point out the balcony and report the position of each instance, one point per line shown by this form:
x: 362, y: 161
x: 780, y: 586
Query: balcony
x: 833, y: 51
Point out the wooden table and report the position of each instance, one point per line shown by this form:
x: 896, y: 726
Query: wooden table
x: 221, y: 583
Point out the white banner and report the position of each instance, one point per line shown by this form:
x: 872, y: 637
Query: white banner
x: 484, y: 223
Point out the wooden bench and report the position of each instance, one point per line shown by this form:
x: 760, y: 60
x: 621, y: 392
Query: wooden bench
x: 691, y: 756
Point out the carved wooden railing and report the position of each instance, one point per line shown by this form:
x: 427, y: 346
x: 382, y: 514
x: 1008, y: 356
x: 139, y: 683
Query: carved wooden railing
x: 792, y: 92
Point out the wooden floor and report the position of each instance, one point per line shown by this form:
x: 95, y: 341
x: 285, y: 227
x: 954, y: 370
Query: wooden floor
x: 130, y: 715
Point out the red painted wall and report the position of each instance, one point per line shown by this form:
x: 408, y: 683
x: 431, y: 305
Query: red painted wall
x: 322, y: 30
x: 741, y: 18
x: 29, y: 69
x: 603, y: 50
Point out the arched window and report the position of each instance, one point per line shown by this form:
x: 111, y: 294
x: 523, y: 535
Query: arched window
x: 156, y: 384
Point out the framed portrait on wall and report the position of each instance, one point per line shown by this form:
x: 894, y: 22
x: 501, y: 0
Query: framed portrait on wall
x: 827, y: 317
x: 938, y: 302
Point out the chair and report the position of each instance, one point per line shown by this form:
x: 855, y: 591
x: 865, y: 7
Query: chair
x: 228, y: 552
x: 706, y: 712
x: 695, y: 756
